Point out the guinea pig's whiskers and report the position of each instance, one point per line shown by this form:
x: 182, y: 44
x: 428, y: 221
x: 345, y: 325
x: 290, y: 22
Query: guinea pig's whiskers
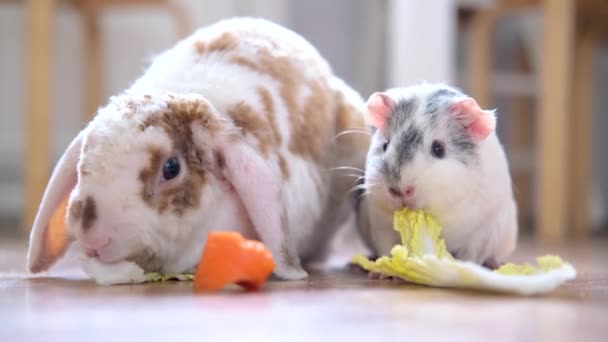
x: 355, y: 176
x: 360, y: 178
x: 351, y: 131
x: 355, y: 188
x: 370, y: 187
x: 363, y: 194
x: 366, y: 191
x: 364, y: 186
x: 339, y: 168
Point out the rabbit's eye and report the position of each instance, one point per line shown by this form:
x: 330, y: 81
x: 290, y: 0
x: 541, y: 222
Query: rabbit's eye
x: 171, y: 168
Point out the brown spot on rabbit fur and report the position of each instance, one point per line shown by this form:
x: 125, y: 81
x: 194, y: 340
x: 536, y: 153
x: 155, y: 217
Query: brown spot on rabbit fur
x: 220, y: 160
x: 148, y: 175
x: 177, y: 122
x: 179, y: 196
x: 268, y: 104
x: 200, y: 47
x: 225, y: 42
x: 284, y: 167
x: 182, y: 196
x: 178, y: 117
x: 262, y: 127
x: 310, y: 127
x: 89, y: 213
x: 280, y: 68
x: 75, y: 210
x: 250, y: 122
x: 247, y: 63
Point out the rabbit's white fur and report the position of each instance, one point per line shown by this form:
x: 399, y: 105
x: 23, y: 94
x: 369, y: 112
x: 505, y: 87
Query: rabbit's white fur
x: 129, y: 236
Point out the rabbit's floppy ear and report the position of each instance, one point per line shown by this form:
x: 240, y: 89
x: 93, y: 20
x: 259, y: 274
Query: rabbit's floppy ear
x: 259, y: 189
x: 49, y: 236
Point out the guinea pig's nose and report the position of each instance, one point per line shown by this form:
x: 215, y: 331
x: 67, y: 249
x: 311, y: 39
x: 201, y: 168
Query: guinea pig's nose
x: 408, y: 191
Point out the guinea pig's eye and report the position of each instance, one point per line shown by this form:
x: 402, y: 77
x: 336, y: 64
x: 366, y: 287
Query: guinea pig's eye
x: 171, y: 168
x: 438, y: 149
x: 385, y: 145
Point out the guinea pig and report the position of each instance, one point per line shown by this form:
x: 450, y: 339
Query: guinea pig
x: 236, y: 128
x: 434, y: 148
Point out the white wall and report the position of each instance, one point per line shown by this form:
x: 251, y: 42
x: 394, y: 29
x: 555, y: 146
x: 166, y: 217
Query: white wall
x: 421, y: 41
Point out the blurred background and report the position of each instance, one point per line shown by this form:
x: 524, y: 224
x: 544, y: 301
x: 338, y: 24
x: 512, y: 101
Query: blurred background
x: 542, y: 64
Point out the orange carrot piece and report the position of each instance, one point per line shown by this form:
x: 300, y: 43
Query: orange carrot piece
x: 228, y: 258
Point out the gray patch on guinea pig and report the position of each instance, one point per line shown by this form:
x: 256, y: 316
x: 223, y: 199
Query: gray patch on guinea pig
x: 409, y: 141
x: 459, y: 145
x: 402, y: 113
x: 462, y: 146
x: 435, y: 100
x: 392, y: 173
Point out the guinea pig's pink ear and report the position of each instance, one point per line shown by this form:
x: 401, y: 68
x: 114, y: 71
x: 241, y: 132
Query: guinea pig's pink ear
x: 478, y: 122
x: 379, y: 107
x: 49, y: 237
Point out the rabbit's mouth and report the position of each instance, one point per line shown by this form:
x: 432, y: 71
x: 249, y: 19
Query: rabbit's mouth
x: 92, y: 246
x: 107, y: 253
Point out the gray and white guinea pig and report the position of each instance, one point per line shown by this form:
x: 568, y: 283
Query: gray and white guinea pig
x: 237, y: 128
x: 435, y: 149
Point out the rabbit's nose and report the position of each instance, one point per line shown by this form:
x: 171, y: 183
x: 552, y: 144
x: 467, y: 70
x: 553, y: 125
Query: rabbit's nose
x: 93, y: 244
x: 95, y: 237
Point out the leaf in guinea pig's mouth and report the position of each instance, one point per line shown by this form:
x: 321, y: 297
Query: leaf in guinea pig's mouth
x: 422, y: 258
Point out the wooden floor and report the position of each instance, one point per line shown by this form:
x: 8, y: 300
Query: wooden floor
x: 335, y: 304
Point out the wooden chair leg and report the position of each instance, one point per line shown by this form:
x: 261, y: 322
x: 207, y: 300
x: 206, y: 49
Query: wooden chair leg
x: 39, y: 52
x: 93, y: 60
x: 552, y: 131
x: 581, y: 147
x: 479, y: 55
x: 520, y: 132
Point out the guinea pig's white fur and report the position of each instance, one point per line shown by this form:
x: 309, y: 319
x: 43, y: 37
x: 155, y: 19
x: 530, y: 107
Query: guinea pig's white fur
x: 251, y: 112
x: 471, y: 195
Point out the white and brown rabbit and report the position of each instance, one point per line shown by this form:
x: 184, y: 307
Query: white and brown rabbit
x: 234, y: 128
